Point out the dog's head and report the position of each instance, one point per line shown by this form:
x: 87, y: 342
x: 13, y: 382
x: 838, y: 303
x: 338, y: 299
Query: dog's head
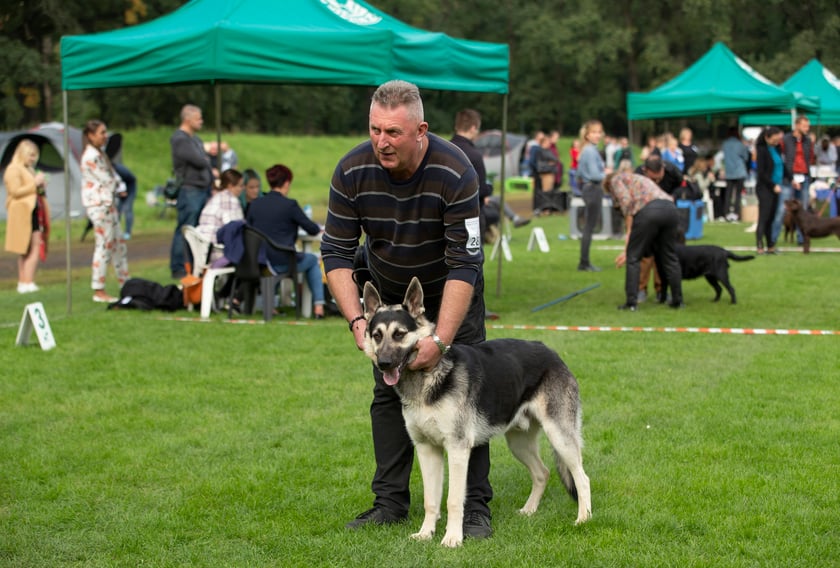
x: 792, y: 205
x: 394, y: 330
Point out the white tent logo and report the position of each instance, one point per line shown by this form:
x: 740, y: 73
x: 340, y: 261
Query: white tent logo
x: 753, y: 72
x: 831, y: 78
x: 352, y: 12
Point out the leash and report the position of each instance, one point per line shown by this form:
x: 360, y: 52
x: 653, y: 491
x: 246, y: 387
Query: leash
x: 566, y: 297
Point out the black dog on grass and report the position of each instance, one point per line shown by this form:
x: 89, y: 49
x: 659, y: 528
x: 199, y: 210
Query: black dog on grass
x: 710, y: 261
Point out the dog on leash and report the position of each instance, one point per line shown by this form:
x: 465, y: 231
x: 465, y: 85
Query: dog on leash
x: 811, y: 226
x: 712, y: 262
x: 508, y: 386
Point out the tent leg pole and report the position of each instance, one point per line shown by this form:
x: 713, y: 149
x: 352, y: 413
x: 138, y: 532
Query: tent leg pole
x: 218, y: 92
x: 67, y: 225
x: 502, y: 194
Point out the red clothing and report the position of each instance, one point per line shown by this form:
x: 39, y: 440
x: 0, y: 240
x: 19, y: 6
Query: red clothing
x: 800, y: 164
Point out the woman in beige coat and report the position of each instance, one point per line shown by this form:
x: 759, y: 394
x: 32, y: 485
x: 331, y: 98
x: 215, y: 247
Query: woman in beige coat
x: 27, y: 213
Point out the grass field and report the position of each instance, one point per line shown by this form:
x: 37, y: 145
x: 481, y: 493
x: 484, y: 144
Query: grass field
x: 159, y: 440
x: 143, y: 440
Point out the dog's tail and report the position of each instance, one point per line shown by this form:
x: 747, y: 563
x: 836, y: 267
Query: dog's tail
x: 571, y: 451
x: 566, y: 476
x: 739, y: 257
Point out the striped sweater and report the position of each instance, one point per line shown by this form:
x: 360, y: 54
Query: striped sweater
x: 426, y: 226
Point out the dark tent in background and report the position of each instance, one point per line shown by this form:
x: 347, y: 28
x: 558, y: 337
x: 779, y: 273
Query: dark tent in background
x: 813, y: 79
x: 49, y: 138
x: 326, y: 42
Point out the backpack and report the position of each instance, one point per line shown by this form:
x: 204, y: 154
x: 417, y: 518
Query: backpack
x: 146, y: 295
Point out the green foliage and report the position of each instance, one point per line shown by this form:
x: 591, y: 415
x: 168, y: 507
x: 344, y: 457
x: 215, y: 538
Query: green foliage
x: 570, y: 60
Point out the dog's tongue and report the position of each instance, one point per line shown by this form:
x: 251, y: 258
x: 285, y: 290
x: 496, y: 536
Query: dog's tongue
x: 391, y: 377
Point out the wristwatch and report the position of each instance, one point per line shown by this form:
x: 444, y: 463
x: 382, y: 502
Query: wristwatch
x: 444, y: 348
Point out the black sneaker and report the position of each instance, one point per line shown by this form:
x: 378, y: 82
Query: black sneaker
x: 588, y: 268
x: 627, y: 307
x: 375, y: 516
x: 477, y: 525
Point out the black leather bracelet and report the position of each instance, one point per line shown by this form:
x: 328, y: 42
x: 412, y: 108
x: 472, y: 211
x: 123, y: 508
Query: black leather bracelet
x: 354, y: 320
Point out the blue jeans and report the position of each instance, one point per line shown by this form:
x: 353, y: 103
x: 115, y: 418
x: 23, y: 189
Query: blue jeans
x: 125, y: 205
x: 190, y: 202
x: 787, y: 193
x: 311, y: 269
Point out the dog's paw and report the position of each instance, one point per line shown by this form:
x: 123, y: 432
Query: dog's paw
x: 452, y: 540
x: 527, y: 510
x: 423, y: 535
x: 583, y: 517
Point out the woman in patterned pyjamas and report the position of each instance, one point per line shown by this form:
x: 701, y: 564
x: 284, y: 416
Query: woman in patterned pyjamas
x: 100, y: 186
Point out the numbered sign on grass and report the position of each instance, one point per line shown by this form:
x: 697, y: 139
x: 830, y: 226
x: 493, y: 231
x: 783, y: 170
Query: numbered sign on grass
x: 35, y: 320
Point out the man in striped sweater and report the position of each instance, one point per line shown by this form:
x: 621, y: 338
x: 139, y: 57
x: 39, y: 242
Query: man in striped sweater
x: 415, y: 198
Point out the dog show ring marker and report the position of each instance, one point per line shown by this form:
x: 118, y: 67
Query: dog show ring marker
x: 505, y: 244
x: 35, y: 319
x: 538, y: 234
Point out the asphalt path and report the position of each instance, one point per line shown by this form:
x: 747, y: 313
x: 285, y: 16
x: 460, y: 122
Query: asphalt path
x: 140, y: 247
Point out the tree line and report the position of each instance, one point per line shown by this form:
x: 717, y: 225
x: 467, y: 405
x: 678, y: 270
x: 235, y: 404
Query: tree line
x: 571, y: 60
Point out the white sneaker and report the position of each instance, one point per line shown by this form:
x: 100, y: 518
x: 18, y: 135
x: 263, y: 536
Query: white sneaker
x: 27, y: 288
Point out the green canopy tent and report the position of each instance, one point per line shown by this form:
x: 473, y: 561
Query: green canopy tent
x: 326, y: 42
x: 718, y: 83
x: 813, y: 79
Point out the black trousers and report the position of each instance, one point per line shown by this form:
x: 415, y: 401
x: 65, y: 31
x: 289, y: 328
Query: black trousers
x: 592, y: 196
x: 392, y: 447
x: 732, y: 198
x: 768, y: 202
x: 655, y: 232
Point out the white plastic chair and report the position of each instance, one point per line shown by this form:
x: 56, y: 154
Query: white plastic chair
x: 200, y: 249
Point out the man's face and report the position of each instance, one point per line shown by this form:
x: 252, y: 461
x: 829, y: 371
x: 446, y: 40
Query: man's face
x: 397, y: 139
x: 803, y: 126
x: 195, y: 121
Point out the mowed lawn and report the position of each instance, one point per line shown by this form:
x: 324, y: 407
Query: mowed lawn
x: 156, y: 439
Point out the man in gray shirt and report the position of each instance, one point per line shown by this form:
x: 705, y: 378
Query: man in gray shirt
x: 191, y: 165
x: 736, y: 156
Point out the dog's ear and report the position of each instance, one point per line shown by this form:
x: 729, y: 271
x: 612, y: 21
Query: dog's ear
x: 371, y: 300
x: 414, y: 298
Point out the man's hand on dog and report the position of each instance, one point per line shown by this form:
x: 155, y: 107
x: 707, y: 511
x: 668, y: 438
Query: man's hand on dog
x: 428, y: 355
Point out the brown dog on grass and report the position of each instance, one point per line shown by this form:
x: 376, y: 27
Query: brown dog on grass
x: 810, y: 225
x: 789, y: 225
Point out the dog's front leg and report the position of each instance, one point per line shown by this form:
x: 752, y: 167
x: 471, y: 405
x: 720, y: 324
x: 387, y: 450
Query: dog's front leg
x: 459, y: 459
x: 431, y: 468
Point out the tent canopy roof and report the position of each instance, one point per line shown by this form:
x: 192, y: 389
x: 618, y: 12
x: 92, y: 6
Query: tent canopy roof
x: 296, y: 41
x: 718, y: 83
x: 812, y: 79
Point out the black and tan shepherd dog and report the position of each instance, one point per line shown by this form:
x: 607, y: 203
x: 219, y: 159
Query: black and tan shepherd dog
x: 504, y: 386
